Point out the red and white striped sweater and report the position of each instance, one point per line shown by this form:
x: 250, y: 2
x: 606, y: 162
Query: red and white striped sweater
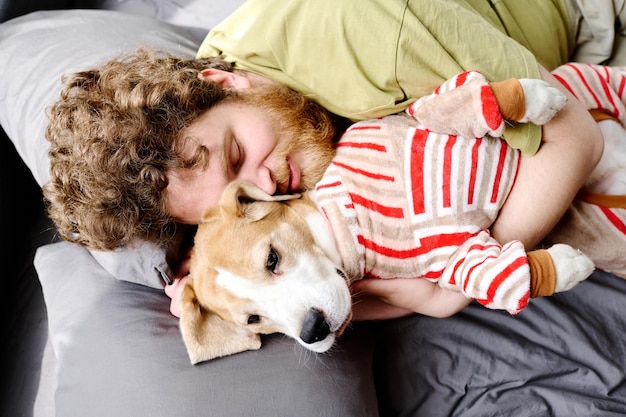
x: 404, y: 202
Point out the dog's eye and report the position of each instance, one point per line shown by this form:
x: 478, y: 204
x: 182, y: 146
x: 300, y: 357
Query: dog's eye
x: 273, y: 259
x: 340, y: 273
x: 254, y: 318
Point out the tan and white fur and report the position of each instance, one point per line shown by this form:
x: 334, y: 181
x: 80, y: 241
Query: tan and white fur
x: 262, y: 267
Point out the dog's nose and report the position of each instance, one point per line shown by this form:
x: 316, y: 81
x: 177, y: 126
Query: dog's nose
x: 315, y: 327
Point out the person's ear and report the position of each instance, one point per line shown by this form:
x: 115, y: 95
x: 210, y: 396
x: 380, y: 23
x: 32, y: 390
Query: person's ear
x: 226, y: 79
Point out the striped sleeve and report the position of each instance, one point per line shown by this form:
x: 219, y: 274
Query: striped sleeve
x: 496, y: 276
x: 464, y: 105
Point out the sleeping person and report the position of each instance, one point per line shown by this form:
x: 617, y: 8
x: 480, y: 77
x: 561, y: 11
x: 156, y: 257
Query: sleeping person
x: 166, y: 182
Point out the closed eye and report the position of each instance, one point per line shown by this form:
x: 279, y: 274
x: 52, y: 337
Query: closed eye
x: 273, y: 260
x: 235, y: 155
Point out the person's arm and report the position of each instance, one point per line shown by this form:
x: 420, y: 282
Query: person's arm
x: 378, y: 299
x: 548, y: 181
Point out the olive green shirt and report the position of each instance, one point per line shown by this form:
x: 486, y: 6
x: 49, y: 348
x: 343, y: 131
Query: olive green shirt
x: 365, y: 59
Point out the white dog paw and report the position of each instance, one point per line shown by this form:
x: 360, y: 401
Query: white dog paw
x: 571, y: 266
x: 542, y: 101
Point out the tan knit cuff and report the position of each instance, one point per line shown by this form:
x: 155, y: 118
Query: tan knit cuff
x: 542, y: 273
x: 510, y: 97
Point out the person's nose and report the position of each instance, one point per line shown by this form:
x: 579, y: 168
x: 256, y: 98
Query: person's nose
x: 262, y: 177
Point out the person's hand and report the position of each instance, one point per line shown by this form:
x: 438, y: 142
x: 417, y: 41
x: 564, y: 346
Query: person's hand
x: 175, y: 292
x: 380, y: 299
x: 181, y: 276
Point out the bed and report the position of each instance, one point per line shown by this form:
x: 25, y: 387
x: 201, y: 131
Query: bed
x: 91, y: 335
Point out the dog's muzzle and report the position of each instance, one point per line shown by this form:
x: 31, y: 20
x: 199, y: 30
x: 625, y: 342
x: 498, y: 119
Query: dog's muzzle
x: 315, y: 327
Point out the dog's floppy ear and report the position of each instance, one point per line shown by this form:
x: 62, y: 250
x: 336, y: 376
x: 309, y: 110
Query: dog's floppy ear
x: 208, y: 336
x: 238, y: 196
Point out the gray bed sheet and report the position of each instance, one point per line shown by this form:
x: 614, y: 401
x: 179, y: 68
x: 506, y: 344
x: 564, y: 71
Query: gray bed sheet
x: 562, y: 356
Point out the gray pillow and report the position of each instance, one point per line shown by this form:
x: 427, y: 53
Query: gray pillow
x: 37, y: 49
x: 119, y: 353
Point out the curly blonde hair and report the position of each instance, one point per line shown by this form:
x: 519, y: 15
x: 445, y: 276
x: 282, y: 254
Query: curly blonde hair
x: 113, y: 135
